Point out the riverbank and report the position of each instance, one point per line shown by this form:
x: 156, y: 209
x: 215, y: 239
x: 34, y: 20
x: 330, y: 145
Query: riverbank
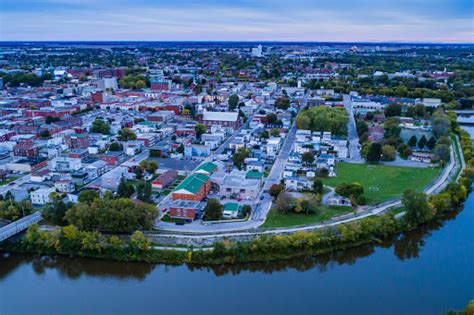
x: 72, y: 242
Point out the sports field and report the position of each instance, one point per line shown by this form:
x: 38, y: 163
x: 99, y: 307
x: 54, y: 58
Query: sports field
x: 383, y: 182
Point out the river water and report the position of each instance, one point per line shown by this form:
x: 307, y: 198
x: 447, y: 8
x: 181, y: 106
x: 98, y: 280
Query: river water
x: 428, y: 271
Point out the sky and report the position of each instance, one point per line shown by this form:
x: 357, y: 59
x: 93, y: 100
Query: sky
x: 444, y: 21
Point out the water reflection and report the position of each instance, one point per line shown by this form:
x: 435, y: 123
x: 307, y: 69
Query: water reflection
x: 74, y: 268
x: 406, y: 246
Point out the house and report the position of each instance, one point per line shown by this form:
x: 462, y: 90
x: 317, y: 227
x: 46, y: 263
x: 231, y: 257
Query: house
x: 231, y: 210
x: 112, y: 157
x: 111, y: 180
x: 273, y: 146
x: 164, y: 180
x: 77, y: 141
x: 65, y: 164
x: 96, y: 169
x: 26, y: 148
x: 236, y: 185
x: 184, y: 209
x: 207, y: 168
x: 41, y: 176
x: 195, y: 187
x: 297, y: 183
x: 224, y: 119
x: 196, y: 150
x: 258, y: 166
x: 41, y: 196
x: 338, y: 201
x: 65, y: 186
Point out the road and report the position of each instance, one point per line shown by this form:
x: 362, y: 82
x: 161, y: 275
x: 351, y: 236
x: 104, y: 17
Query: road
x: 263, y: 200
x: 438, y: 185
x: 354, y: 152
x: 14, y: 184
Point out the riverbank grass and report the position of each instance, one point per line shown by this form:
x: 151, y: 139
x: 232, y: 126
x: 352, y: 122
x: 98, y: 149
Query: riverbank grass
x: 277, y: 219
x: 383, y: 182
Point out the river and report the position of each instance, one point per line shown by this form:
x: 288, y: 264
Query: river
x: 428, y: 271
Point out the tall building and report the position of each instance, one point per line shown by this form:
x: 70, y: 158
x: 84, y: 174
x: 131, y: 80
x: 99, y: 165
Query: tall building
x: 258, y: 51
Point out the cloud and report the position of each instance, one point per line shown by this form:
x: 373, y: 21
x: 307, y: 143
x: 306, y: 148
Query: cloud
x: 298, y: 20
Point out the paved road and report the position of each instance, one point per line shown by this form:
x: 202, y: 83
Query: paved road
x: 263, y: 201
x: 14, y: 184
x: 438, y: 185
x: 353, y: 138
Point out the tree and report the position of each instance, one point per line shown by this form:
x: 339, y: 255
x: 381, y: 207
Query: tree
x: 239, y: 157
x: 44, y: 134
x: 422, y: 142
x: 275, y: 190
x: 440, y: 124
x: 431, y: 143
x: 125, y: 189
x: 100, y: 126
x: 88, y: 195
x: 140, y: 84
x: 139, y: 242
x: 149, y: 166
x: 350, y: 190
x: 282, y: 103
x: 308, y: 205
x: 374, y: 153
x: 412, y: 141
x: 114, y: 215
x: 285, y: 203
x: 198, y: 89
x: 274, y: 132
x: 442, y: 152
x: 308, y: 158
x: 233, y: 102
x: 393, y: 110
x: 417, y: 208
x: 361, y: 127
x: 115, y: 146
x: 246, y: 210
x: 388, y: 153
x: 271, y: 118
x: 213, y: 210
x: 322, y: 118
x: 144, y: 191
x: 303, y: 122
x: 126, y: 134
x: 322, y: 172
x: 318, y: 186
x: 55, y: 210
x: 200, y: 129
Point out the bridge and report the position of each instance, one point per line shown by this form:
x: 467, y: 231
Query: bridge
x: 19, y: 225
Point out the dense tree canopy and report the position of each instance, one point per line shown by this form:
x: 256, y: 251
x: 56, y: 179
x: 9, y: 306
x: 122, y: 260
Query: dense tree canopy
x: 114, y: 215
x: 322, y: 118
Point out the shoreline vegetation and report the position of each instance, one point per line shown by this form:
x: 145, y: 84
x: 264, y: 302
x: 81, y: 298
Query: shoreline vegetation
x: 137, y: 248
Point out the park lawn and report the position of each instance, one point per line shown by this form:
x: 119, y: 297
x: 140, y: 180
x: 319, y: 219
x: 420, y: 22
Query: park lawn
x: 167, y: 218
x: 8, y: 180
x: 276, y: 219
x: 382, y: 182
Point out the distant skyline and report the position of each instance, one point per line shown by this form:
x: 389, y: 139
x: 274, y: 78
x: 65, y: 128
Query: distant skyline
x: 434, y: 21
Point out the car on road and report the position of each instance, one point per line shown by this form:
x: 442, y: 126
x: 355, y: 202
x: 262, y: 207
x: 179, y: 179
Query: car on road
x: 179, y: 223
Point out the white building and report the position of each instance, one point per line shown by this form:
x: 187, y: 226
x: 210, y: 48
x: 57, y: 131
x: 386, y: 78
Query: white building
x: 41, y: 196
x: 65, y: 164
x: 258, y: 51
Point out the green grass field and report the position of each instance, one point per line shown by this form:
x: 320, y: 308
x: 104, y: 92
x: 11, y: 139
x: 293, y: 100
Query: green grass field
x: 383, y: 182
x: 276, y: 219
x: 9, y: 180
